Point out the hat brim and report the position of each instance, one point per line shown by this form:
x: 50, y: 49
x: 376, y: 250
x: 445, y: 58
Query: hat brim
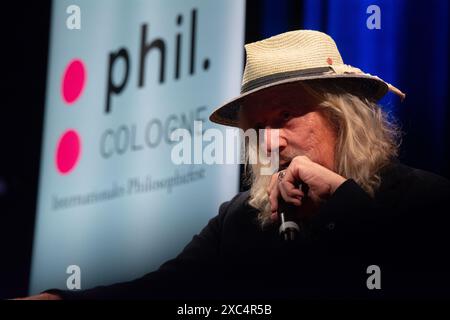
x: 370, y: 86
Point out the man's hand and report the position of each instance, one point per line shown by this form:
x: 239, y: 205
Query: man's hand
x: 42, y: 296
x: 322, y: 183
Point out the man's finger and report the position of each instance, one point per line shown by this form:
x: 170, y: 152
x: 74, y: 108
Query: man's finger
x: 272, y: 183
x: 273, y: 198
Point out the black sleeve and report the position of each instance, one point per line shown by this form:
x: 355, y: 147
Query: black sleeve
x: 408, y: 239
x: 188, y: 275
x: 350, y: 209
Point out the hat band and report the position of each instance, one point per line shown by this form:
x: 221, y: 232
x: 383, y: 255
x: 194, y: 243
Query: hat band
x: 259, y: 82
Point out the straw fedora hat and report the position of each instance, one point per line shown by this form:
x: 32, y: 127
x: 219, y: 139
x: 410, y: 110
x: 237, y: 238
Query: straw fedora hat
x: 295, y: 56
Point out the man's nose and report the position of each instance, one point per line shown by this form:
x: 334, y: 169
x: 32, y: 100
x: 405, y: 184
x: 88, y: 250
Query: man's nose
x: 273, y: 140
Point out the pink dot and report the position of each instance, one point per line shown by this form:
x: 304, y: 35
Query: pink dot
x: 74, y: 80
x: 68, y: 151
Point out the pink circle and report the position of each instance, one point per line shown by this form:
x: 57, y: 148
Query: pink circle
x: 74, y: 80
x: 68, y: 151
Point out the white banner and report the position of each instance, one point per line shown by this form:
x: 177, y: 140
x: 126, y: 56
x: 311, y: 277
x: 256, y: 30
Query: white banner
x: 123, y: 74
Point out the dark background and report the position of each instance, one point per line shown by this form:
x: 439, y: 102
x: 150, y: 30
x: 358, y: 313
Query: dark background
x: 419, y: 65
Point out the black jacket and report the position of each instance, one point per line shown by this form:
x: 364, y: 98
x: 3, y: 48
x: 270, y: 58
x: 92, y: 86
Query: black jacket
x: 404, y: 231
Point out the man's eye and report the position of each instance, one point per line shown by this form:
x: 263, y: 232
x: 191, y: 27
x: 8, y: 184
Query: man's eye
x: 286, y: 115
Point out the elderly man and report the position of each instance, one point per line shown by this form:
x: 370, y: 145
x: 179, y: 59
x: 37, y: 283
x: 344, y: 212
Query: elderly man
x: 366, y: 226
